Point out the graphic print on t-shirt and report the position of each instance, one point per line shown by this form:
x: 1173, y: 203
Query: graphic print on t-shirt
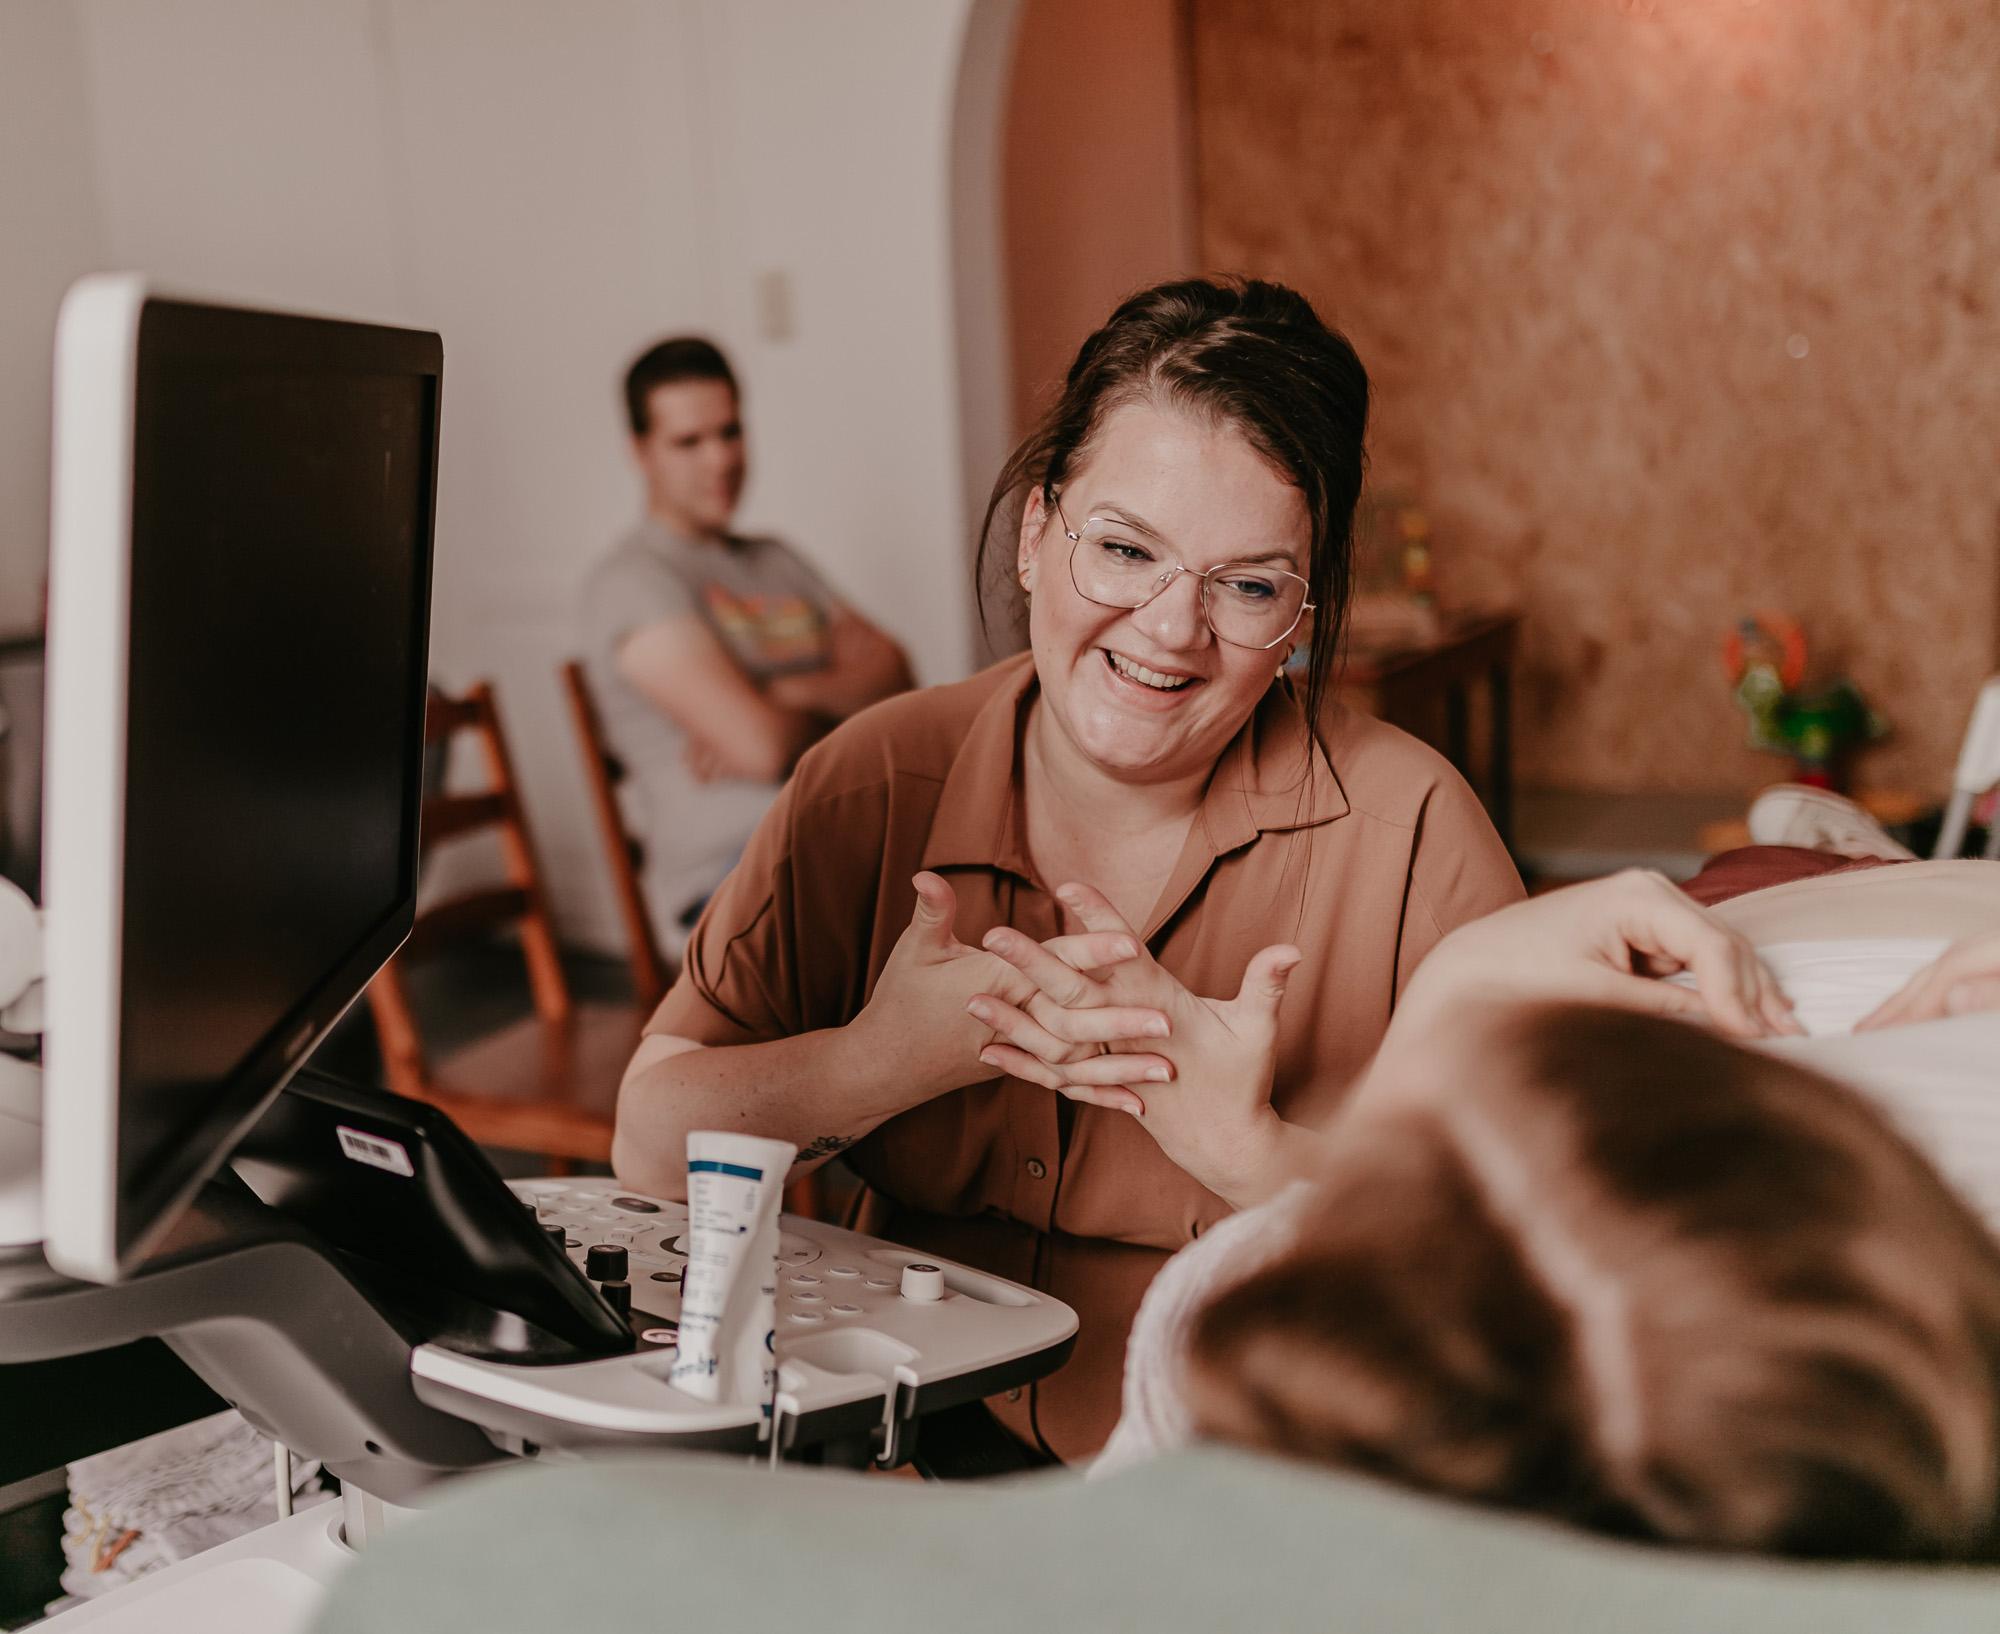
x: 767, y: 632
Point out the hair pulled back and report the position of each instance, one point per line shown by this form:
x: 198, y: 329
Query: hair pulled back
x: 668, y: 363
x: 1242, y: 353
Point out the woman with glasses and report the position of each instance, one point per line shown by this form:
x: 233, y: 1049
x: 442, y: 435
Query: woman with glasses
x: 1183, y: 532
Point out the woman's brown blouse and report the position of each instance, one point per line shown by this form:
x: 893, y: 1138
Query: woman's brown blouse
x: 1364, y: 864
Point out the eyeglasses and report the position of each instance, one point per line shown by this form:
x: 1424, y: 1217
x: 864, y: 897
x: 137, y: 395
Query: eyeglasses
x: 1247, y: 604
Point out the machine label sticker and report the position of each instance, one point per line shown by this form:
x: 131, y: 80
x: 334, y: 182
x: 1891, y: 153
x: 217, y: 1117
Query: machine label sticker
x: 376, y: 1152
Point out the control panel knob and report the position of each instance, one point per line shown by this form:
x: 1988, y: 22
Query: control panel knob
x: 604, y: 1262
x: 923, y: 1283
x: 619, y: 1292
x: 556, y: 1235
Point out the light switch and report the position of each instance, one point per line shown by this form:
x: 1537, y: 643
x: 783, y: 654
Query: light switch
x: 773, y: 292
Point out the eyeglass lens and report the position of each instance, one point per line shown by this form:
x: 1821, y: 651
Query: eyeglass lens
x: 1250, y: 604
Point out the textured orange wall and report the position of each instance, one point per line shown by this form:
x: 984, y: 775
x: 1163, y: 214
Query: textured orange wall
x: 1676, y: 308
x: 1097, y: 184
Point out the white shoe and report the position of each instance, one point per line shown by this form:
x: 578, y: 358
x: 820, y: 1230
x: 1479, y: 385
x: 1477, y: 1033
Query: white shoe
x: 1820, y: 820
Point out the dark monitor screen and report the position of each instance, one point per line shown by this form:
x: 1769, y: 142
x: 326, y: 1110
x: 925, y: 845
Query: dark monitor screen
x: 282, y: 483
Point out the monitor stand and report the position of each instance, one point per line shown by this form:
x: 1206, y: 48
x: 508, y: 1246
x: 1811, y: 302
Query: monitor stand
x: 20, y: 1153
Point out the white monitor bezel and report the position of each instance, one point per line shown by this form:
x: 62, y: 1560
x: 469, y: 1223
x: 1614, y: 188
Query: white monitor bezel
x: 96, y: 381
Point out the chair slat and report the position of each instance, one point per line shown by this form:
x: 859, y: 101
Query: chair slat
x: 477, y: 913
x: 447, y: 816
x: 650, y: 970
x: 444, y: 716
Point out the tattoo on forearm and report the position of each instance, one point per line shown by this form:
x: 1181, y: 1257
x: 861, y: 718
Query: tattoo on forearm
x: 824, y: 1146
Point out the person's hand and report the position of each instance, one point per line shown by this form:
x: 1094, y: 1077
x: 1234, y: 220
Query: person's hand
x: 1607, y: 942
x: 916, y: 1019
x: 1201, y: 1088
x: 1964, y: 978
x: 862, y: 665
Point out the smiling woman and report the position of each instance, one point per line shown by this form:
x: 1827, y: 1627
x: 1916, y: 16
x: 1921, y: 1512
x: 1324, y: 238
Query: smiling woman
x: 1145, y: 790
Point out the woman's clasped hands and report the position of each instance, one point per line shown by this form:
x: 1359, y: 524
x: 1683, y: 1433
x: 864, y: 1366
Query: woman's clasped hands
x: 918, y: 1015
x: 1196, y: 1073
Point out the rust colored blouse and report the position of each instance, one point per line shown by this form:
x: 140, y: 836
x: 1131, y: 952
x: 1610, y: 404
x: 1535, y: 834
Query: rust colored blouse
x: 1363, y: 849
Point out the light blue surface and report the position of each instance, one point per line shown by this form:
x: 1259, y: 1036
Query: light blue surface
x: 1208, y: 1541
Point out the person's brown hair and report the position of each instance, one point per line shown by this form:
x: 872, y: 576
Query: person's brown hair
x: 1644, y: 1281
x: 1240, y: 352
x: 667, y: 363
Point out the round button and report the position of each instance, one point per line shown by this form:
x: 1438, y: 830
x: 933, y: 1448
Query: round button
x: 666, y: 1276
x: 635, y: 1205
x: 806, y: 1316
x: 660, y: 1336
x: 1038, y: 1168
x: 805, y: 1279
x: 923, y: 1284
x: 806, y: 1299
x: 847, y: 1310
x: 842, y: 1271
x: 879, y: 1282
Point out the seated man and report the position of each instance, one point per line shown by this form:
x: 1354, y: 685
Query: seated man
x: 716, y: 658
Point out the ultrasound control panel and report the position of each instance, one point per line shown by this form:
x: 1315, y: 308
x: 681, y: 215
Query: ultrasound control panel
x: 869, y: 1337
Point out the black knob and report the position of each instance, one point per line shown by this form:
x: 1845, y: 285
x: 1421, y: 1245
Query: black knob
x: 619, y: 1292
x: 604, y: 1262
x: 556, y: 1235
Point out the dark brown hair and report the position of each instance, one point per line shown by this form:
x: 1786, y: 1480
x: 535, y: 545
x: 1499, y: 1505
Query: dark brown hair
x: 1244, y: 353
x: 683, y: 357
x: 1641, y: 1280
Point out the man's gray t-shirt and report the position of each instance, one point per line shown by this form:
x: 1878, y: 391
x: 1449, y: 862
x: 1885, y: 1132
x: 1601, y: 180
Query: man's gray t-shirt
x: 769, y: 609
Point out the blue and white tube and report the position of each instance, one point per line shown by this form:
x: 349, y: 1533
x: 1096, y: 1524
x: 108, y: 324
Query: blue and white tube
x: 728, y: 1345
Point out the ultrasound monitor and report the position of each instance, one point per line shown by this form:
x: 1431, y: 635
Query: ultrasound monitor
x: 239, y: 611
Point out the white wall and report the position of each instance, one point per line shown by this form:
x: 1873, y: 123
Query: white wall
x: 552, y: 187
x: 51, y: 230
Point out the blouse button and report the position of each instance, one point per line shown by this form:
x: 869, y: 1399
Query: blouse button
x: 1037, y: 1167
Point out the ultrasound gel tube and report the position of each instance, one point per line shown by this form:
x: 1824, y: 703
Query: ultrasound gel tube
x: 729, y: 1293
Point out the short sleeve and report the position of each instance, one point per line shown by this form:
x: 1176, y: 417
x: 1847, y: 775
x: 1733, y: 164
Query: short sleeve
x: 783, y: 945
x: 1459, y: 872
x: 738, y: 974
x: 627, y: 592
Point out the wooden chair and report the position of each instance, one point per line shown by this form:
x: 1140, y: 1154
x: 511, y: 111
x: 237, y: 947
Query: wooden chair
x: 547, y: 1083
x: 651, y: 972
x: 603, y: 771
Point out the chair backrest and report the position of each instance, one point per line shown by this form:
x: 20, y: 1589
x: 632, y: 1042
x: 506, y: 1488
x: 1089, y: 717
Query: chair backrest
x: 520, y: 903
x: 1978, y: 770
x: 603, y: 771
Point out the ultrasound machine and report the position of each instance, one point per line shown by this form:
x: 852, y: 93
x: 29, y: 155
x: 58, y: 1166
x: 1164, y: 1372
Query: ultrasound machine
x: 240, y: 600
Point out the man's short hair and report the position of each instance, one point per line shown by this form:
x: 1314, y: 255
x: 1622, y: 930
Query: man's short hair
x: 684, y: 357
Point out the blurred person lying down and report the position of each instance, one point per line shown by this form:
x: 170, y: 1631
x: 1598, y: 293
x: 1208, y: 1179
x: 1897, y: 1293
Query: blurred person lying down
x: 1566, y: 1254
